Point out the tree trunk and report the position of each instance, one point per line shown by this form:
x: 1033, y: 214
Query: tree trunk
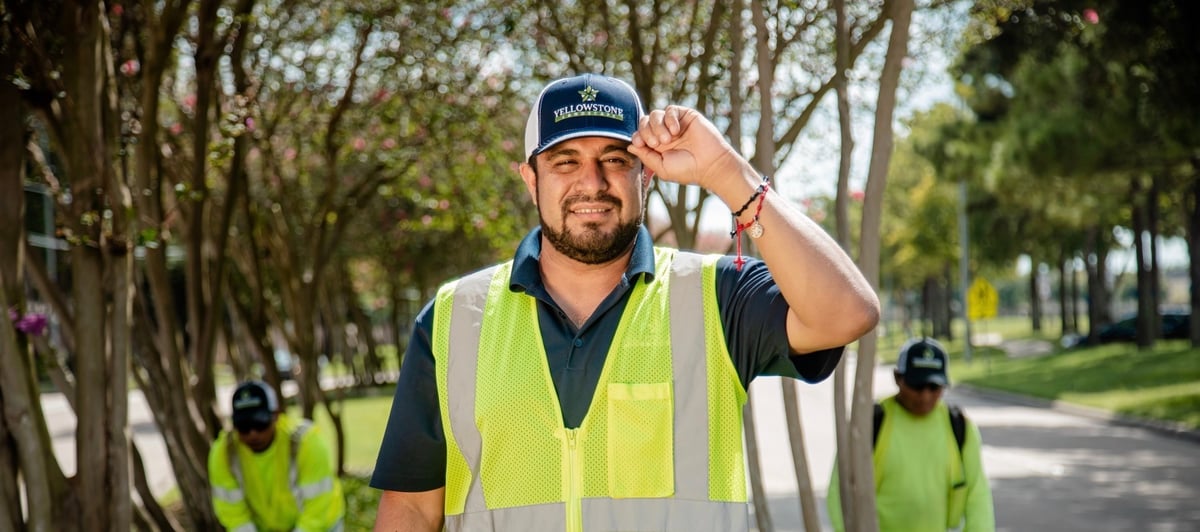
x: 1035, y: 297
x: 1193, y: 240
x: 808, y: 499
x: 87, y: 146
x: 119, y: 246
x: 862, y: 412
x: 1152, y: 219
x: 163, y: 374
x: 12, y: 195
x: 1096, y: 252
x: 842, y: 213
x: 762, y: 516
x: 15, y: 393
x: 935, y: 307
x: 25, y: 434
x: 1074, y: 298
x: 1065, y: 296
x: 1145, y: 333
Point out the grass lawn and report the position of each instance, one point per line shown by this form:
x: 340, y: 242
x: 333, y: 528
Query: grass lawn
x: 1162, y: 383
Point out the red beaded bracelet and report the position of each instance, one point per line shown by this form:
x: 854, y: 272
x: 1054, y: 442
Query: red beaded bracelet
x: 753, y: 227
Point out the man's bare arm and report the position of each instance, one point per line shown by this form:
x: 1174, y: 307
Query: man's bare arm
x: 411, y: 512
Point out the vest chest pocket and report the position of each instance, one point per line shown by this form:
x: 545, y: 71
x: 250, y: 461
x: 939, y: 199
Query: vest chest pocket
x: 640, y: 440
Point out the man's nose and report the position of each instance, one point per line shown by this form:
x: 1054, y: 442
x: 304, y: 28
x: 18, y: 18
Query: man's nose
x: 592, y: 177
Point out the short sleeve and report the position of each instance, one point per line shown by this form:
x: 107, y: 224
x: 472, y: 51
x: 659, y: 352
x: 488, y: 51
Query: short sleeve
x: 754, y: 316
x: 412, y: 456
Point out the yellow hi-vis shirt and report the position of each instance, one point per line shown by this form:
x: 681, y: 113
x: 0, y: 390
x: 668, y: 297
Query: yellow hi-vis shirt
x: 919, y: 475
x: 267, y: 498
x: 660, y: 447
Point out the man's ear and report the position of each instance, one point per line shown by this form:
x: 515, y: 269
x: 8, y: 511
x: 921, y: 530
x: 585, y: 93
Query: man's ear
x: 530, y: 179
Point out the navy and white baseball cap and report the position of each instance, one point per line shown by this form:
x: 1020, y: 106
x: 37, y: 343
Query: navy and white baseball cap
x: 254, y: 406
x: 590, y: 105
x: 922, y: 361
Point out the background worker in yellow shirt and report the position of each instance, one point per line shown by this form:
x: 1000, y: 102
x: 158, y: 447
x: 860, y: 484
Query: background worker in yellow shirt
x: 272, y: 472
x: 928, y: 467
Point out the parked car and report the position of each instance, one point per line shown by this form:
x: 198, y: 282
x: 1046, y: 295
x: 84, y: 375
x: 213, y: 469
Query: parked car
x: 286, y: 364
x: 1175, y: 325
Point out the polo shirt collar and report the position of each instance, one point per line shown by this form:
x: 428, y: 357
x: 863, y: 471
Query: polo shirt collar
x: 527, y: 277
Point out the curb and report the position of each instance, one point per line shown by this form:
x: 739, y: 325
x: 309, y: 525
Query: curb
x: 1166, y: 428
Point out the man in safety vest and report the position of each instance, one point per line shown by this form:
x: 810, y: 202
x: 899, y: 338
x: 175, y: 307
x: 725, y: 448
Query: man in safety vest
x: 596, y: 382
x: 928, y: 465
x: 272, y: 472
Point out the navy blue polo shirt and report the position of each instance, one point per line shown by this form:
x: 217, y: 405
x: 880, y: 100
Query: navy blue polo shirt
x: 753, y: 312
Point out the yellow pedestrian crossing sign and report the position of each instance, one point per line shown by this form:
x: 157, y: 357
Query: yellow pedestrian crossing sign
x: 982, y: 300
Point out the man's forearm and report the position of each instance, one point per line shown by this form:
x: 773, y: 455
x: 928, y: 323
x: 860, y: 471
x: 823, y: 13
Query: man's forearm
x: 410, y: 512
x: 832, y: 304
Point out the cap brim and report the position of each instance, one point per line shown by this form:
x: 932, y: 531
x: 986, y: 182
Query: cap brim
x: 255, y: 419
x: 574, y: 134
x: 922, y: 378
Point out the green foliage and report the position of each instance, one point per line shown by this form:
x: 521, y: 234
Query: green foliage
x: 362, y: 501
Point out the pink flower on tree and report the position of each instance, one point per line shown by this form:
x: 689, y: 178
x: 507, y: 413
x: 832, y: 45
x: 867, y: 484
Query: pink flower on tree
x: 130, y: 68
x: 33, y: 324
x: 1091, y: 16
x: 857, y: 195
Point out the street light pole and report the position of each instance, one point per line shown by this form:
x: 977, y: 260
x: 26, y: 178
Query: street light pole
x: 963, y: 263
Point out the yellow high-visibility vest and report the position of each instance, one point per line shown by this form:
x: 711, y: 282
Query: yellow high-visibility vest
x: 660, y: 447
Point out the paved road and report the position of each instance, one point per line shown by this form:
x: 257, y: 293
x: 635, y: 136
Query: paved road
x: 1049, y: 470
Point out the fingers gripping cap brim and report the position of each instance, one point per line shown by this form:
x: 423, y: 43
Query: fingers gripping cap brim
x: 582, y: 106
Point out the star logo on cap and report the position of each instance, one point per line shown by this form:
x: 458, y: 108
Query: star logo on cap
x: 589, y: 94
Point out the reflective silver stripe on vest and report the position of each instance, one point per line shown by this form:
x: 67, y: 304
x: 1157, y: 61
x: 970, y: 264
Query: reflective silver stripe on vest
x: 521, y: 518
x: 228, y: 495
x: 314, y: 489
x: 689, y: 366
x: 294, y: 439
x: 679, y: 515
x: 248, y: 527
x: 466, y: 322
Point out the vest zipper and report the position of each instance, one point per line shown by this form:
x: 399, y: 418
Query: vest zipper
x: 574, y: 483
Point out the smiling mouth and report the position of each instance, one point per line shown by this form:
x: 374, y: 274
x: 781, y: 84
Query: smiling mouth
x: 590, y: 211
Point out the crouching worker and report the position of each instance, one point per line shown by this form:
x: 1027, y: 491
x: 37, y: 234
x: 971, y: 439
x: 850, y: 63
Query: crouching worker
x: 272, y: 472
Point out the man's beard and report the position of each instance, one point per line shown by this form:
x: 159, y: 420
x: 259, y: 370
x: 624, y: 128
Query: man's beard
x: 593, y: 246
